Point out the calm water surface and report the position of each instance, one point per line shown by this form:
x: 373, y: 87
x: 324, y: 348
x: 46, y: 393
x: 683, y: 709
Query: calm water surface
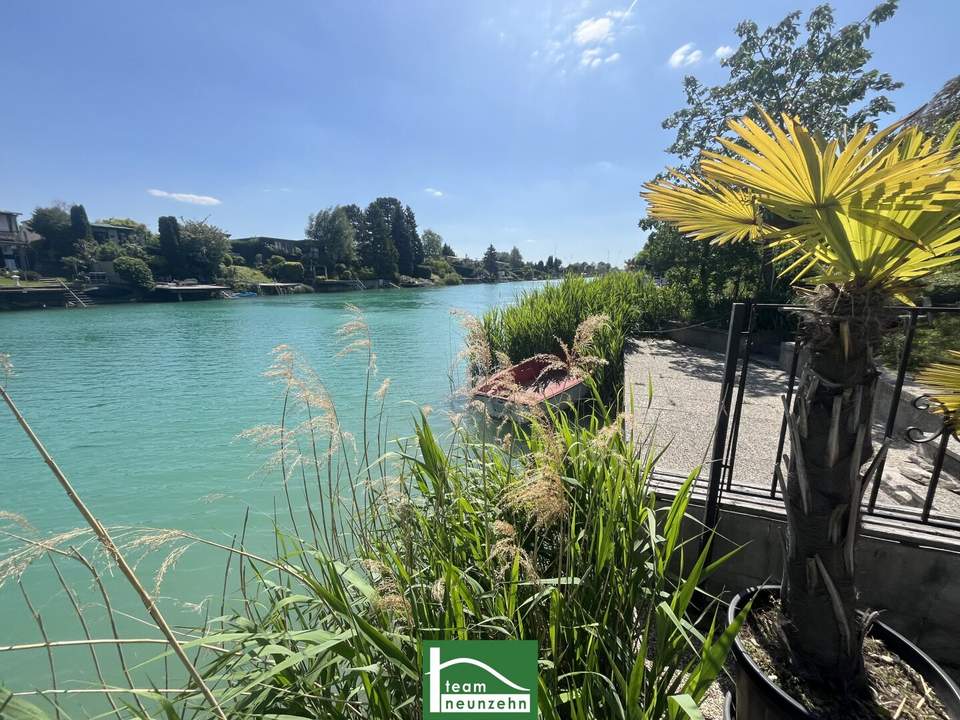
x: 141, y: 406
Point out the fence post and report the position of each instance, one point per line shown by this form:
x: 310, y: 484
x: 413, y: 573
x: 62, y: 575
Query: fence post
x: 711, y: 513
x: 894, y: 403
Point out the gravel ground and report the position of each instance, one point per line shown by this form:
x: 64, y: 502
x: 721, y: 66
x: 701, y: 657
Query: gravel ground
x: 681, y: 417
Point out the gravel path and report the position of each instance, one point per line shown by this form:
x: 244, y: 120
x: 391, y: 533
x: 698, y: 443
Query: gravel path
x: 681, y: 416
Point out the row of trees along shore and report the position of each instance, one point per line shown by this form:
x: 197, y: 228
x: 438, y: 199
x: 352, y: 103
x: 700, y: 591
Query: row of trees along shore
x: 344, y: 242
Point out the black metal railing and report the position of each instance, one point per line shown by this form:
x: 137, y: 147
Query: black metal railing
x: 739, y: 360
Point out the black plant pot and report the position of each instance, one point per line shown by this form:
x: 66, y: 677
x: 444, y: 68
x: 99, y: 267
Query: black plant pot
x: 758, y: 698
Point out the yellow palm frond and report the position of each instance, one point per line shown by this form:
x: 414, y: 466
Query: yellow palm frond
x: 704, y: 209
x: 878, y: 212
x: 944, y: 380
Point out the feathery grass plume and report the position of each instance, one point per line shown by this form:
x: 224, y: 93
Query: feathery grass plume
x: 355, y: 335
x: 169, y: 562
x: 6, y: 367
x: 15, y: 563
x: 480, y: 357
x: 15, y: 518
x: 381, y: 392
x: 541, y: 496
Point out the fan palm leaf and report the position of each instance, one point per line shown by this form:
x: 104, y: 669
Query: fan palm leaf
x: 944, y: 380
x: 878, y: 212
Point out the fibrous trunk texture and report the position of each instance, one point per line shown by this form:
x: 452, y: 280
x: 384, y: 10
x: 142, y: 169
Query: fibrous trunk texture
x: 829, y: 427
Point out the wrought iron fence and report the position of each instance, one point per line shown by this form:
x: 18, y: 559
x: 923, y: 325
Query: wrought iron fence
x: 741, y: 356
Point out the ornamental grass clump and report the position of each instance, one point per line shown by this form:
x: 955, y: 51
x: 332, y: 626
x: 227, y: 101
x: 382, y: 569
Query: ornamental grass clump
x: 545, y: 321
x: 862, y: 222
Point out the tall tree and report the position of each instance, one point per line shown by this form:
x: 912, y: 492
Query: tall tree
x: 815, y: 72
x: 516, y: 259
x: 53, y: 225
x: 447, y: 251
x: 379, y: 253
x: 432, y: 244
x: 416, y: 242
x: 400, y: 234
x: 202, y: 248
x: 812, y: 71
x: 334, y: 235
x: 84, y: 246
x: 80, y: 224
x: 490, y: 261
x: 170, y: 243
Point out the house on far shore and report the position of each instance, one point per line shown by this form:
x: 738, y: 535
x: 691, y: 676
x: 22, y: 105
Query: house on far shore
x: 249, y: 247
x: 119, y: 234
x: 13, y: 242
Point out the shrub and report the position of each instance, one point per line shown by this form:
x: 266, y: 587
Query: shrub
x: 240, y: 277
x: 289, y: 272
x: 452, y: 279
x: 109, y: 251
x: 544, y: 317
x: 134, y: 271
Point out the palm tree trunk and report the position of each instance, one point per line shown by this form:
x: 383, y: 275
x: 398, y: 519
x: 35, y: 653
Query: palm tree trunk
x: 830, y: 441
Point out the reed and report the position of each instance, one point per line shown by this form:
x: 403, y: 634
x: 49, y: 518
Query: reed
x: 551, y: 532
x: 545, y: 319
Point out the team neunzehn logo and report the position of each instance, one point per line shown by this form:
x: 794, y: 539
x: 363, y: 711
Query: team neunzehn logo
x: 477, y: 679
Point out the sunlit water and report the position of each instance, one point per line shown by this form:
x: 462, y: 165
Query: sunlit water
x: 141, y: 406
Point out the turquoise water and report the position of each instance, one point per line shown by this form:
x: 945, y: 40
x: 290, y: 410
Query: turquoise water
x: 141, y: 406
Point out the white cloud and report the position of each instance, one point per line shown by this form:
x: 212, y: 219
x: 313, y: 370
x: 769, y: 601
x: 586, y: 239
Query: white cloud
x: 723, y: 52
x: 185, y: 197
x: 434, y: 192
x: 685, y: 55
x: 589, y: 55
x: 593, y: 30
x: 587, y: 43
x: 594, y: 57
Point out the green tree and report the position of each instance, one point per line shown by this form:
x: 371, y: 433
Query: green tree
x: 815, y: 72
x: 80, y: 225
x: 490, y: 261
x: 170, y: 243
x: 516, y: 259
x: 379, y: 252
x: 432, y: 244
x: 53, y: 225
x: 134, y: 271
x: 202, y: 248
x: 335, y: 237
x: 812, y: 71
x: 109, y: 251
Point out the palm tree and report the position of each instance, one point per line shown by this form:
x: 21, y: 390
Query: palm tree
x: 860, y: 222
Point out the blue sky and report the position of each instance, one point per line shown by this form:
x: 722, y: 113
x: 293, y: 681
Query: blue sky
x: 514, y: 123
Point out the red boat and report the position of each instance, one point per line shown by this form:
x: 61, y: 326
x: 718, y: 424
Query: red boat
x: 527, y: 385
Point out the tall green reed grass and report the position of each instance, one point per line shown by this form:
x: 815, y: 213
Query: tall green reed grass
x: 544, y: 318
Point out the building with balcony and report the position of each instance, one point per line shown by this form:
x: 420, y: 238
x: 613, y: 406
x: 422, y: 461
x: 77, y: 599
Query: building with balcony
x: 13, y: 242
